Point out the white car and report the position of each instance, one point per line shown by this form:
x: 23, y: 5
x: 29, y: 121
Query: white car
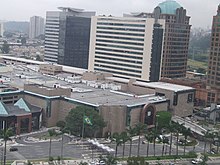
x: 196, y: 161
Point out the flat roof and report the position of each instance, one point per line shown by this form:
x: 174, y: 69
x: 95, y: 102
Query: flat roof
x: 166, y: 86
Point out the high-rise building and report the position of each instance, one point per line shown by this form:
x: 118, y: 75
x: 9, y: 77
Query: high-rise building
x: 36, y: 27
x: 176, y: 37
x: 126, y: 47
x: 67, y: 35
x: 213, y: 79
x: 1, y: 29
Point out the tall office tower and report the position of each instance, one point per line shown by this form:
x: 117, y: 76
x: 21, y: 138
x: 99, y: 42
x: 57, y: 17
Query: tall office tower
x: 126, y: 47
x: 1, y: 29
x: 213, y: 79
x: 67, y: 37
x: 176, y: 38
x: 36, y: 27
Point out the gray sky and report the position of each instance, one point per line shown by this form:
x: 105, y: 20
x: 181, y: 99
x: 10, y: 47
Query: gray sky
x: 201, y: 11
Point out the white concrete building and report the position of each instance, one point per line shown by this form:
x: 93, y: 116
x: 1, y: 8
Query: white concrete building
x: 126, y: 47
x: 36, y: 26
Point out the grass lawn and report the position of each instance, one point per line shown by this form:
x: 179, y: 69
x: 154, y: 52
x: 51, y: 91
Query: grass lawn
x: 194, y: 65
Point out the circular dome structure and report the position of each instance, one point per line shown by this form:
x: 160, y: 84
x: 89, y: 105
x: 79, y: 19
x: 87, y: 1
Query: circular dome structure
x: 169, y: 7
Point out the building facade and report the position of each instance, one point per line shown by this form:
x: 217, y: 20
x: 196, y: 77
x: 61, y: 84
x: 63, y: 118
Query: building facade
x: 176, y: 37
x: 36, y: 27
x: 1, y: 29
x: 67, y: 37
x: 126, y: 47
x: 213, y: 79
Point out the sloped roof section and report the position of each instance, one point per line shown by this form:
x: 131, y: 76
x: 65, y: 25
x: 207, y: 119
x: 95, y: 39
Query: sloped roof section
x: 23, y: 105
x: 3, y: 109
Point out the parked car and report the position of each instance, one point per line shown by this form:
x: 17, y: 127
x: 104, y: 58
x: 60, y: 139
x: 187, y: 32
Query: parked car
x: 13, y: 149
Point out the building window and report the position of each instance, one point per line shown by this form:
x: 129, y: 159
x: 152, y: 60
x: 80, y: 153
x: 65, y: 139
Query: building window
x: 175, y: 99
x: 190, y: 98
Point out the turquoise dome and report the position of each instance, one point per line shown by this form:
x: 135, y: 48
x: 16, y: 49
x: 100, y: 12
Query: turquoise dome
x: 169, y: 7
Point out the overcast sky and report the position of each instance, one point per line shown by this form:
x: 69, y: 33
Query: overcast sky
x: 201, y: 11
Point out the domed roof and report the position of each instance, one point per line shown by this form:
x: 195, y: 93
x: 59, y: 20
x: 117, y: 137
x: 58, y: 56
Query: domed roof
x: 169, y: 7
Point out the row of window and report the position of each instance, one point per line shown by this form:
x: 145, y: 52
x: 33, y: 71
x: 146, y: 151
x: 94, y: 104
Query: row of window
x: 119, y: 46
x: 119, y: 33
x: 118, y: 64
x: 116, y: 59
x: 118, y: 68
x: 120, y: 24
x: 115, y: 72
x: 119, y: 51
x: 124, y: 29
x: 120, y: 38
x: 120, y: 42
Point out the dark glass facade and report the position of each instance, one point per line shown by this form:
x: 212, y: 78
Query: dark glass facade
x: 76, y: 42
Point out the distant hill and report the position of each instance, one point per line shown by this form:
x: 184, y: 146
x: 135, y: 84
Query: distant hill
x: 15, y: 26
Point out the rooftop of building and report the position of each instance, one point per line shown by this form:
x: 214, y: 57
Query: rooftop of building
x: 169, y: 7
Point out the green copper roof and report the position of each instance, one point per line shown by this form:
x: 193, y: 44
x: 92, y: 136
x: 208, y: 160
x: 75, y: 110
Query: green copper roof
x: 3, y: 110
x: 169, y: 7
x: 21, y: 104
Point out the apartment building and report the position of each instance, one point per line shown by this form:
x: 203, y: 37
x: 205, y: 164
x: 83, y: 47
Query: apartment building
x: 36, y: 27
x: 126, y: 47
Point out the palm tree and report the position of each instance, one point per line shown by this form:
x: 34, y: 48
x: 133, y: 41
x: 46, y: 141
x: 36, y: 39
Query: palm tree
x: 186, y: 132
x: 124, y: 138
x: 131, y: 133
x: 178, y: 128
x: 52, y: 133
x: 110, y: 160
x: 140, y: 128
x: 171, y: 129
x: 156, y: 135
x: 206, y: 136
x: 5, y: 135
x: 211, y: 137
x: 149, y: 137
x: 164, y: 141
x: 63, y: 130
x: 117, y: 138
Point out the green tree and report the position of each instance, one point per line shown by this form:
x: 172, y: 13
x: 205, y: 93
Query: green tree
x: 63, y: 130
x: 5, y: 48
x: 178, y: 129
x: 116, y: 137
x: 163, y: 119
x: 51, y: 133
x: 124, y: 138
x: 171, y: 128
x: 186, y: 132
x: 149, y: 137
x: 165, y: 141
x: 140, y: 129
x: 110, y: 160
x: 74, y: 121
x: 204, y: 160
x: 131, y: 133
x: 5, y: 135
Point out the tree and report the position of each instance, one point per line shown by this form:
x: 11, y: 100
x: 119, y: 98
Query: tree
x: 116, y: 137
x: 139, y: 128
x: 124, y: 138
x: 178, y: 128
x: 63, y: 129
x: 74, y: 121
x: 131, y: 132
x: 186, y: 132
x: 52, y: 133
x: 5, y: 135
x: 204, y: 160
x: 5, y: 48
x: 110, y: 160
x: 206, y: 136
x: 149, y: 137
x: 163, y: 119
x: 156, y: 135
x: 164, y: 141
x: 171, y: 128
